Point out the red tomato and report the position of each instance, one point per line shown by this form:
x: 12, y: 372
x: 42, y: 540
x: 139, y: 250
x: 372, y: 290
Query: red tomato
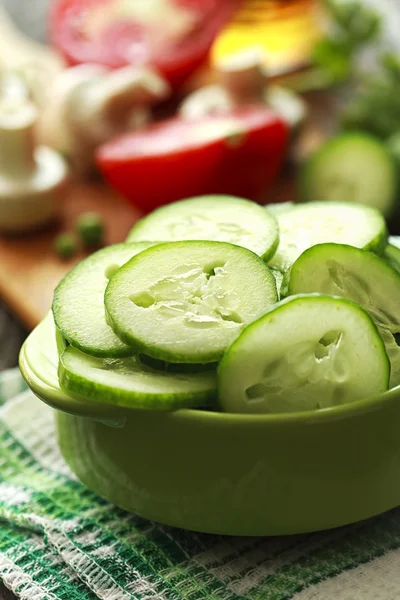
x: 238, y: 154
x: 111, y: 33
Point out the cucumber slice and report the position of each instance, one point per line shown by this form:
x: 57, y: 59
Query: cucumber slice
x: 306, y: 353
x: 392, y: 252
x: 392, y: 256
x: 317, y: 222
x: 359, y: 276
x: 61, y: 342
x: 218, y: 218
x: 129, y: 383
x: 78, y: 304
x: 184, y: 302
x: 351, y: 167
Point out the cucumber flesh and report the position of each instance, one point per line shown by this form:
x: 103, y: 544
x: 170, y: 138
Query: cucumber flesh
x: 216, y: 218
x: 78, y: 305
x: 184, y: 302
x: 306, y: 353
x: 305, y: 225
x: 359, y: 276
x: 129, y: 383
x: 351, y: 168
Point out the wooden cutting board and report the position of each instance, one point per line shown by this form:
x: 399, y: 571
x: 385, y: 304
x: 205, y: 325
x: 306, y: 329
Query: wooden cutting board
x: 29, y: 267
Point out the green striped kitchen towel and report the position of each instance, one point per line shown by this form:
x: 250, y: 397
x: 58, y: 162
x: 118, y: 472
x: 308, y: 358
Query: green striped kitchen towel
x: 58, y: 540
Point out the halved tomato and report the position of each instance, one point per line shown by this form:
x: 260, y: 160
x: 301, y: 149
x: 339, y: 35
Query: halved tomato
x: 239, y: 153
x: 172, y: 35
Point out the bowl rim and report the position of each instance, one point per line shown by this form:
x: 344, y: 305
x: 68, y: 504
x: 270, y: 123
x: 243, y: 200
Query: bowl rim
x: 333, y: 413
x: 55, y: 398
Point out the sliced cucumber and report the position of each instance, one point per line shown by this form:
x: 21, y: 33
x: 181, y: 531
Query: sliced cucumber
x: 61, y: 342
x: 392, y: 252
x: 78, y: 305
x: 129, y: 383
x: 317, y: 222
x: 351, y: 167
x: 306, y: 353
x: 218, y: 218
x: 392, y: 256
x: 184, y: 302
x: 359, y: 276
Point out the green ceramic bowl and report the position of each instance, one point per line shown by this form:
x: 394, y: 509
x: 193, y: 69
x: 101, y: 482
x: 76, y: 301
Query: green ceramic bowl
x: 227, y: 474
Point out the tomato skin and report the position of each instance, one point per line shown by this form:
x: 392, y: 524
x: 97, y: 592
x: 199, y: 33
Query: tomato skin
x: 176, y: 62
x: 244, y: 165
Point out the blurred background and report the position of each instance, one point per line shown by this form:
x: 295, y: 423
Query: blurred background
x: 32, y: 22
x: 99, y: 99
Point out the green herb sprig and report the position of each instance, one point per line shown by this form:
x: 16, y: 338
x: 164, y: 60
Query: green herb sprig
x: 375, y: 106
x: 353, y: 26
